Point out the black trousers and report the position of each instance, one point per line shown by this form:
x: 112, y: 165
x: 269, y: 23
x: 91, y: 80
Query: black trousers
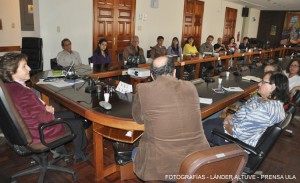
x: 80, y: 141
x: 209, y: 125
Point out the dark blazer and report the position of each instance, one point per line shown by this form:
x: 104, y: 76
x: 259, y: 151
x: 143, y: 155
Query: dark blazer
x: 170, y: 111
x: 33, y: 111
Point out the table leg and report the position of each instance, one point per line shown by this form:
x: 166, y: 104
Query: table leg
x: 98, y: 154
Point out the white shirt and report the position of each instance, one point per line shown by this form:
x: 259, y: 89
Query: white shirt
x: 64, y: 58
x: 293, y: 81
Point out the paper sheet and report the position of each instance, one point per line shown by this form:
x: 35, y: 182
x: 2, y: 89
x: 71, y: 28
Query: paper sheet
x: 251, y: 78
x: 233, y: 89
x: 124, y: 87
x: 205, y: 100
x: 60, y: 82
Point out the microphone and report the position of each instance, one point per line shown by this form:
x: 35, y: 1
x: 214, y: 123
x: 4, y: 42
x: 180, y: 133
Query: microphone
x: 71, y: 72
x: 91, y: 87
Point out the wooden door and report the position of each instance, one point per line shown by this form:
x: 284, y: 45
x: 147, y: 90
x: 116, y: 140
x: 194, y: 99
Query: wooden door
x: 192, y: 21
x: 229, y: 24
x: 114, y: 21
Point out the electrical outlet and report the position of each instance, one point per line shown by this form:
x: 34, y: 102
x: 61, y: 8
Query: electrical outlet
x: 124, y: 72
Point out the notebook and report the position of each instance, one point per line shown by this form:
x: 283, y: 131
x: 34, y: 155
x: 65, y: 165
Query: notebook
x: 56, y: 73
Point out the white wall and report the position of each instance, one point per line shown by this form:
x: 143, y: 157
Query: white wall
x: 163, y: 21
x: 10, y: 15
x: 214, y: 16
x: 71, y: 19
x: 36, y: 21
x: 74, y: 19
x: 251, y: 23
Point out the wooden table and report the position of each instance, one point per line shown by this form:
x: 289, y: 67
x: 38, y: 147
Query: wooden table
x: 114, y: 124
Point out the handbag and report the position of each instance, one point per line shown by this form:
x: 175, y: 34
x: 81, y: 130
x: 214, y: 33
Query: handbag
x: 134, y: 60
x: 123, y: 151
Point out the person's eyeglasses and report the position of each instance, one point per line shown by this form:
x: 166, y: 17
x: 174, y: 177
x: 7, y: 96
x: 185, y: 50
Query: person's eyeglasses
x: 263, y: 82
x: 294, y: 65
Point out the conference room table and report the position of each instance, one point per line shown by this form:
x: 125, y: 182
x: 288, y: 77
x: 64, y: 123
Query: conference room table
x: 115, y: 124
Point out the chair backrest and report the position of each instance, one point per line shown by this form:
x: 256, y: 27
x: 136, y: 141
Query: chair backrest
x: 32, y: 47
x: 296, y: 98
x: 228, y: 160
x: 119, y: 56
x: 54, y: 65
x: 11, y: 123
x: 265, y: 144
x: 294, y: 103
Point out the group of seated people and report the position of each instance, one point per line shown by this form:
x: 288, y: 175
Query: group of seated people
x: 169, y: 135
x: 102, y: 56
x: 167, y: 138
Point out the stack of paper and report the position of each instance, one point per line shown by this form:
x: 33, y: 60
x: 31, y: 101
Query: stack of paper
x: 251, y: 78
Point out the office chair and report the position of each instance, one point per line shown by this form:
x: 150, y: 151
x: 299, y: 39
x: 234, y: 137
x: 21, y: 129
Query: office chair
x: 149, y: 52
x: 54, y: 65
x: 264, y: 145
x: 32, y: 47
x: 227, y: 161
x: 19, y: 138
x: 292, y: 107
x: 119, y: 56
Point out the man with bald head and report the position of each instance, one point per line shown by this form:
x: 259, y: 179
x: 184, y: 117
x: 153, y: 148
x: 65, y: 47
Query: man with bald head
x: 170, y: 111
x: 133, y: 49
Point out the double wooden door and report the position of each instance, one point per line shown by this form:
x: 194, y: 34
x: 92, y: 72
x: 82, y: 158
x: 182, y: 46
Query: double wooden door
x: 229, y: 24
x: 192, y: 21
x: 114, y: 21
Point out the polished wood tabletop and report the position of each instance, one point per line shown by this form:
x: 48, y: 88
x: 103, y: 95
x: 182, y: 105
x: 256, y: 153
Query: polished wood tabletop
x: 115, y: 123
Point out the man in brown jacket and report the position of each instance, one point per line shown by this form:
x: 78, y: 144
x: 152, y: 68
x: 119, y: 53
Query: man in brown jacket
x: 170, y: 110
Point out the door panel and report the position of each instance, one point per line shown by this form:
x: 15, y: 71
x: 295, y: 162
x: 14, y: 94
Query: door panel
x: 114, y: 20
x: 192, y: 21
x: 229, y: 24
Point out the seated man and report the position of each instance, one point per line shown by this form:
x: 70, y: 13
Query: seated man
x: 171, y: 130
x: 133, y: 49
x: 219, y: 47
x: 244, y: 47
x: 68, y: 56
x: 206, y: 47
x: 158, y: 50
x: 256, y: 115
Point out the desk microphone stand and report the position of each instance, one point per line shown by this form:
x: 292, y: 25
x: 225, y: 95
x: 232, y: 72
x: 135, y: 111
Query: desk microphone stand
x: 91, y: 88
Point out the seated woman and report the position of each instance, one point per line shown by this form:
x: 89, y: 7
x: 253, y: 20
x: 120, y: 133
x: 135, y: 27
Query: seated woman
x: 14, y: 71
x: 272, y: 68
x: 256, y: 115
x: 293, y: 73
x: 231, y: 47
x: 175, y: 49
x: 189, y: 47
x: 101, y: 54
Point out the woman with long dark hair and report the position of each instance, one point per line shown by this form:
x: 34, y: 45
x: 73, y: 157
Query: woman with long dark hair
x: 175, y: 49
x: 101, y: 54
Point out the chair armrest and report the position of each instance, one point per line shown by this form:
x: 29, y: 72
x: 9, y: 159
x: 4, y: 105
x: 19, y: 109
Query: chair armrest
x: 64, y: 138
x: 229, y: 138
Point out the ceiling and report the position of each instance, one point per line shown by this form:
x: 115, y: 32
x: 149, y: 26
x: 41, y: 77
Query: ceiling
x: 287, y: 5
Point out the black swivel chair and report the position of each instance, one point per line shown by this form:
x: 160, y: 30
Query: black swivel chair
x: 32, y: 47
x: 264, y: 145
x: 54, y: 65
x: 20, y: 139
x: 292, y: 107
